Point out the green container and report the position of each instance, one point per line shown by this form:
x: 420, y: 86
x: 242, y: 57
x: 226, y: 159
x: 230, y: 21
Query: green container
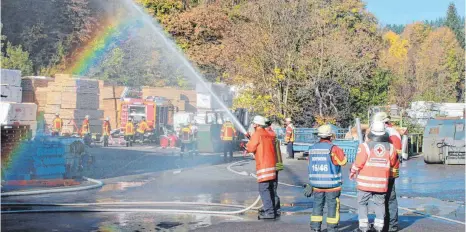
x: 208, y: 137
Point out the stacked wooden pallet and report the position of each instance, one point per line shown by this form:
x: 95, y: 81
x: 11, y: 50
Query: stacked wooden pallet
x: 31, y: 86
x: 110, y: 102
x: 73, y: 99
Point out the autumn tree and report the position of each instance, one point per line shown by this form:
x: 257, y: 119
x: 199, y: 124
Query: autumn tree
x: 440, y: 67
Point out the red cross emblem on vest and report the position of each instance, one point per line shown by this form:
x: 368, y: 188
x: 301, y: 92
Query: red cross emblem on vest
x: 379, y: 150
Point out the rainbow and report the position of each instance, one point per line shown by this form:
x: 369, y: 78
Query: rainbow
x: 112, y: 35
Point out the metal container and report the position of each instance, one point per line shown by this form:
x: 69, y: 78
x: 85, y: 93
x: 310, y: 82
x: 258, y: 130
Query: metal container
x: 443, y: 141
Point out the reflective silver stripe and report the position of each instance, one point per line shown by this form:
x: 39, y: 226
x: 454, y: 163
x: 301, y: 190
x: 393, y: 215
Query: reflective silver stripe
x: 265, y: 170
x: 355, y: 168
x: 325, y: 182
x: 380, y: 165
x: 391, y: 149
x: 372, y: 178
x: 325, y: 175
x: 263, y: 176
x: 368, y: 151
x: 319, y: 151
x: 372, y: 185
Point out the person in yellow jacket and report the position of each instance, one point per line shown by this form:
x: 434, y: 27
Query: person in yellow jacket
x: 57, y: 125
x: 106, y: 128
x: 85, y: 128
x: 289, y: 138
x: 226, y: 135
x: 186, y: 136
x: 129, y: 132
x: 142, y: 127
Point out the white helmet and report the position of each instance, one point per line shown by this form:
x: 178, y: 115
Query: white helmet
x: 259, y: 120
x: 107, y: 119
x: 324, y: 131
x: 381, y: 117
x: 57, y: 114
x: 287, y: 119
x: 87, y: 117
x: 378, y: 128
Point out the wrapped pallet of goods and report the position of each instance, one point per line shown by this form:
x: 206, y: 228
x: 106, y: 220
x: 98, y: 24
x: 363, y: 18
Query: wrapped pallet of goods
x: 10, y: 77
x: 11, y: 93
x: 12, y: 113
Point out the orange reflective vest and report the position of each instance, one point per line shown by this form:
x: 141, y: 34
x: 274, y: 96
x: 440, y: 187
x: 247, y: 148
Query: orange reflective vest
x: 129, y: 128
x: 85, y: 127
x: 142, y: 127
x: 106, y: 128
x: 186, y: 135
x: 289, y: 136
x: 228, y: 132
x: 57, y: 124
x: 262, y: 144
x: 373, y: 162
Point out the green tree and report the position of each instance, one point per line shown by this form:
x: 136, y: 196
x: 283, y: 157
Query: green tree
x: 16, y: 58
x: 453, y: 21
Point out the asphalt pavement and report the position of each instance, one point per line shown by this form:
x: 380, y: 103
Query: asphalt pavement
x: 432, y: 196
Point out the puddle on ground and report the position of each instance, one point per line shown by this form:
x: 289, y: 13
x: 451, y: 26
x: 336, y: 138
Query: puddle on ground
x: 120, y: 186
x: 168, y: 225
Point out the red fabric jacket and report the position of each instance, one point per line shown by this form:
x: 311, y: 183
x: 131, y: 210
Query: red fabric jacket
x: 262, y: 144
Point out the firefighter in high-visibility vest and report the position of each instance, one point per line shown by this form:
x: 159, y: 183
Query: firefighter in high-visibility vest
x: 57, y: 125
x: 371, y: 169
x: 391, y: 203
x: 289, y: 138
x: 142, y: 127
x: 186, y: 137
x: 194, y: 130
x: 106, y: 128
x: 129, y: 132
x: 227, y: 134
x: 85, y: 127
x: 262, y: 145
x: 324, y: 169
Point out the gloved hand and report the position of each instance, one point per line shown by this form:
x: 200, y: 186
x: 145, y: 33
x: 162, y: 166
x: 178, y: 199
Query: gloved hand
x: 352, y: 175
x: 307, y: 190
x: 279, y: 166
x: 247, y: 135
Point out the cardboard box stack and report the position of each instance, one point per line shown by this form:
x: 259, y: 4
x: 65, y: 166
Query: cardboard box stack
x: 73, y: 99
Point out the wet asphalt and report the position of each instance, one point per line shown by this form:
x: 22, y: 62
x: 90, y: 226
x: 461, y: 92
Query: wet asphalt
x: 146, y: 173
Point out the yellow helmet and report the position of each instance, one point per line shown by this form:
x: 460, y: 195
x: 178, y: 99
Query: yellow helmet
x: 324, y: 131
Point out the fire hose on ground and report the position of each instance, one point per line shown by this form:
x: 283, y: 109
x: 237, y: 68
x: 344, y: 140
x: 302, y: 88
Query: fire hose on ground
x: 181, y: 211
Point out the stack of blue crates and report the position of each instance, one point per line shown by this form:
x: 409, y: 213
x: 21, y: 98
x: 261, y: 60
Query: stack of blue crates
x: 49, y: 161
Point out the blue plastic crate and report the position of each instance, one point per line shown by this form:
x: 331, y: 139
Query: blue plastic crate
x: 49, y: 160
x: 350, y: 147
x: 49, y: 170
